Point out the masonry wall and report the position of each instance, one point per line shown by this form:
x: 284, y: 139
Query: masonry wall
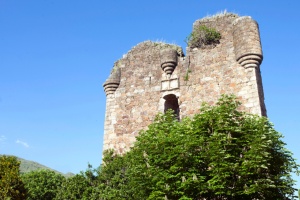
x: 150, y: 73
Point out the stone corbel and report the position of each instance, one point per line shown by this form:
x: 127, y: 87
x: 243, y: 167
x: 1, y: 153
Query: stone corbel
x: 168, y: 60
x: 112, y: 83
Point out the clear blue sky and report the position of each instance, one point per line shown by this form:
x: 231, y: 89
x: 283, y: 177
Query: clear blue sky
x: 55, y: 55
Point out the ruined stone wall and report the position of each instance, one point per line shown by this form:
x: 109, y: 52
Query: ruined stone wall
x: 152, y: 77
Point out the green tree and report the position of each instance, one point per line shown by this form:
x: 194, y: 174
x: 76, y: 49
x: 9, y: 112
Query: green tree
x: 81, y: 186
x: 11, y: 185
x: 42, y: 184
x: 112, y: 180
x: 220, y: 153
x: 73, y: 188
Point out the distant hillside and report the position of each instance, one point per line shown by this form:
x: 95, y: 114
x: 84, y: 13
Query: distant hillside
x: 28, y: 166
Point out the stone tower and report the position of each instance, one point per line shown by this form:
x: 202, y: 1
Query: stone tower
x: 153, y: 77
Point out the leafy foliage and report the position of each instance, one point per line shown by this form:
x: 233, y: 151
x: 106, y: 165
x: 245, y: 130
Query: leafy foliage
x: 11, y: 185
x: 42, y: 184
x: 73, y: 188
x: 81, y: 186
x: 113, y: 182
x: 221, y: 153
x: 203, y: 35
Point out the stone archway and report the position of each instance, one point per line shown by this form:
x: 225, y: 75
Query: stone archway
x: 171, y: 102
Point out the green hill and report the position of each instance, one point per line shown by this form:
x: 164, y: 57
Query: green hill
x: 28, y: 166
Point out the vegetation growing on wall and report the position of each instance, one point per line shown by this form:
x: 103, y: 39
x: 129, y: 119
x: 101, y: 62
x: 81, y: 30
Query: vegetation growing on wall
x: 203, y: 35
x: 186, y: 77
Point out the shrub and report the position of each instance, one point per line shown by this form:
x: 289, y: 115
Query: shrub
x: 42, y: 184
x: 203, y: 35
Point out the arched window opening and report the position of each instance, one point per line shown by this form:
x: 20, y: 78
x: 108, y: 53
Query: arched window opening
x: 171, y: 102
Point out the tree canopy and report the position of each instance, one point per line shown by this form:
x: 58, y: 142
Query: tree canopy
x: 81, y: 186
x: 11, y: 185
x: 42, y: 184
x: 220, y: 153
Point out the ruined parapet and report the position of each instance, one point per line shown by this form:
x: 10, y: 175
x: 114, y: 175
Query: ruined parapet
x: 134, y: 90
x: 210, y: 31
x: 246, y: 40
x: 157, y: 76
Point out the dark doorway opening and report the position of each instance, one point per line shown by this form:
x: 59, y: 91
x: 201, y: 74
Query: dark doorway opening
x: 172, y: 103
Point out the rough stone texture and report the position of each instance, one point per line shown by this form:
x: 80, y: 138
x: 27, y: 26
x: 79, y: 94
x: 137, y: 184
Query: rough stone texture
x: 147, y: 76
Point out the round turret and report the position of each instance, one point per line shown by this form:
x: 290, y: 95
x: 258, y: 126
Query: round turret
x: 247, y: 45
x: 112, y: 83
x: 168, y: 60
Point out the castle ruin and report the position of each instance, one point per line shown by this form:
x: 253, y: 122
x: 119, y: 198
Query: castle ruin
x: 153, y: 77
